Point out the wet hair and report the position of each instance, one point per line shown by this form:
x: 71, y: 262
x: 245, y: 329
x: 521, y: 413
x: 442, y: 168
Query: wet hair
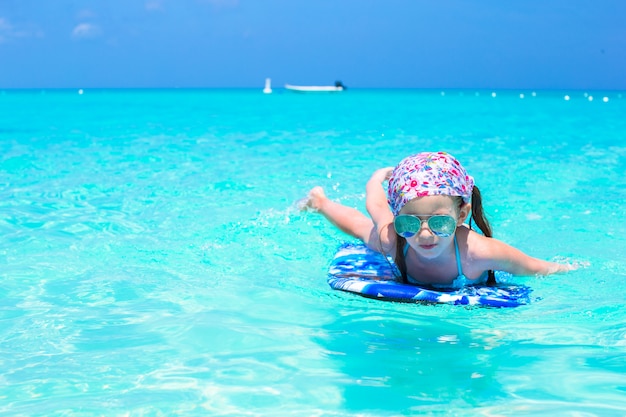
x: 477, y: 215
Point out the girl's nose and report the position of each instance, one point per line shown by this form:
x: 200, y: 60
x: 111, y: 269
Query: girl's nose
x: 425, y: 230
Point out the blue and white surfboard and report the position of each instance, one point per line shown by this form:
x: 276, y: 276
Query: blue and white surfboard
x: 359, y: 270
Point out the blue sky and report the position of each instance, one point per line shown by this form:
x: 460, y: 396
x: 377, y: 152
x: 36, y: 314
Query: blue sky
x: 533, y: 44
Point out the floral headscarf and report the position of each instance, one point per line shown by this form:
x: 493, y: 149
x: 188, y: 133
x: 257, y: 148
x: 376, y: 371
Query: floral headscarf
x: 427, y: 173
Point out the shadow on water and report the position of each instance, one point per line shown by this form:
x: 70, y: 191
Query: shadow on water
x: 398, y: 359
x: 402, y: 360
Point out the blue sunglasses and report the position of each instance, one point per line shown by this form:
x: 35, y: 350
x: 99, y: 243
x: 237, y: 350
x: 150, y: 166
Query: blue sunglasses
x: 407, y: 225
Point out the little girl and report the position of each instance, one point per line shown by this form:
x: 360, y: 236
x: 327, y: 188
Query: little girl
x: 420, y: 224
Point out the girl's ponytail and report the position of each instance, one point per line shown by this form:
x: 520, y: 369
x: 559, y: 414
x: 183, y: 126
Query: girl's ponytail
x: 400, y: 260
x: 478, y: 214
x: 481, y: 221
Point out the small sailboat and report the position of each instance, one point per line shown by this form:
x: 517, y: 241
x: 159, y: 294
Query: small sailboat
x: 268, y: 86
x: 317, y: 88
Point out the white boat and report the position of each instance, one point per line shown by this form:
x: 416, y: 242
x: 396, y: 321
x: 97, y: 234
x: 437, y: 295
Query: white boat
x: 268, y: 86
x: 316, y: 88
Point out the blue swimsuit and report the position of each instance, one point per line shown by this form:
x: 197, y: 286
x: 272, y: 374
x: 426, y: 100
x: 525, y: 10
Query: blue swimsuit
x: 460, y: 281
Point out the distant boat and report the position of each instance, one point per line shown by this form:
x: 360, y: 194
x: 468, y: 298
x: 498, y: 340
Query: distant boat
x: 268, y: 86
x: 317, y: 88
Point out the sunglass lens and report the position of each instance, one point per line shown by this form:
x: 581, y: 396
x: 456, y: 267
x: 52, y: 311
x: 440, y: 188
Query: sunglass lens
x: 406, y: 226
x: 442, y: 225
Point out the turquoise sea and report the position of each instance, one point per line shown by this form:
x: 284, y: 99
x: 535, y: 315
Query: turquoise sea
x: 153, y: 261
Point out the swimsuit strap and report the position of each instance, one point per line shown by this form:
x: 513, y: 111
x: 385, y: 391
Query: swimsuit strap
x: 458, y: 257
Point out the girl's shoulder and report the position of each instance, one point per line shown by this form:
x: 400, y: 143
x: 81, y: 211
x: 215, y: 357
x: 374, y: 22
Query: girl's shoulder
x: 476, y: 246
x: 383, y: 239
x: 489, y: 253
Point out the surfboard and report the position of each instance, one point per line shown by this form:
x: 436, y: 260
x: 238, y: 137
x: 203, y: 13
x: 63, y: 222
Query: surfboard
x: 357, y: 269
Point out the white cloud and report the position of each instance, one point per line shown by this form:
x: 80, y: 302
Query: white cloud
x: 85, y: 14
x: 221, y: 3
x: 4, y: 24
x: 10, y: 31
x: 5, y: 28
x: 154, y: 6
x: 86, y: 31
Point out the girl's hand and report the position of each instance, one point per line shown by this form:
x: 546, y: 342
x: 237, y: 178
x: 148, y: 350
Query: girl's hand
x: 381, y: 175
x: 564, y: 266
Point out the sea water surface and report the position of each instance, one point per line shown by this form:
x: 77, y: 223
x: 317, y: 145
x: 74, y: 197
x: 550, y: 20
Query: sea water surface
x: 153, y: 261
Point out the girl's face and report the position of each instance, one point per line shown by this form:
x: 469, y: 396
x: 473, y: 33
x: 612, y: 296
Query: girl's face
x: 426, y: 243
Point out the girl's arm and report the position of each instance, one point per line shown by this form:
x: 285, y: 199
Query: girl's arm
x: 378, y: 209
x: 507, y: 258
